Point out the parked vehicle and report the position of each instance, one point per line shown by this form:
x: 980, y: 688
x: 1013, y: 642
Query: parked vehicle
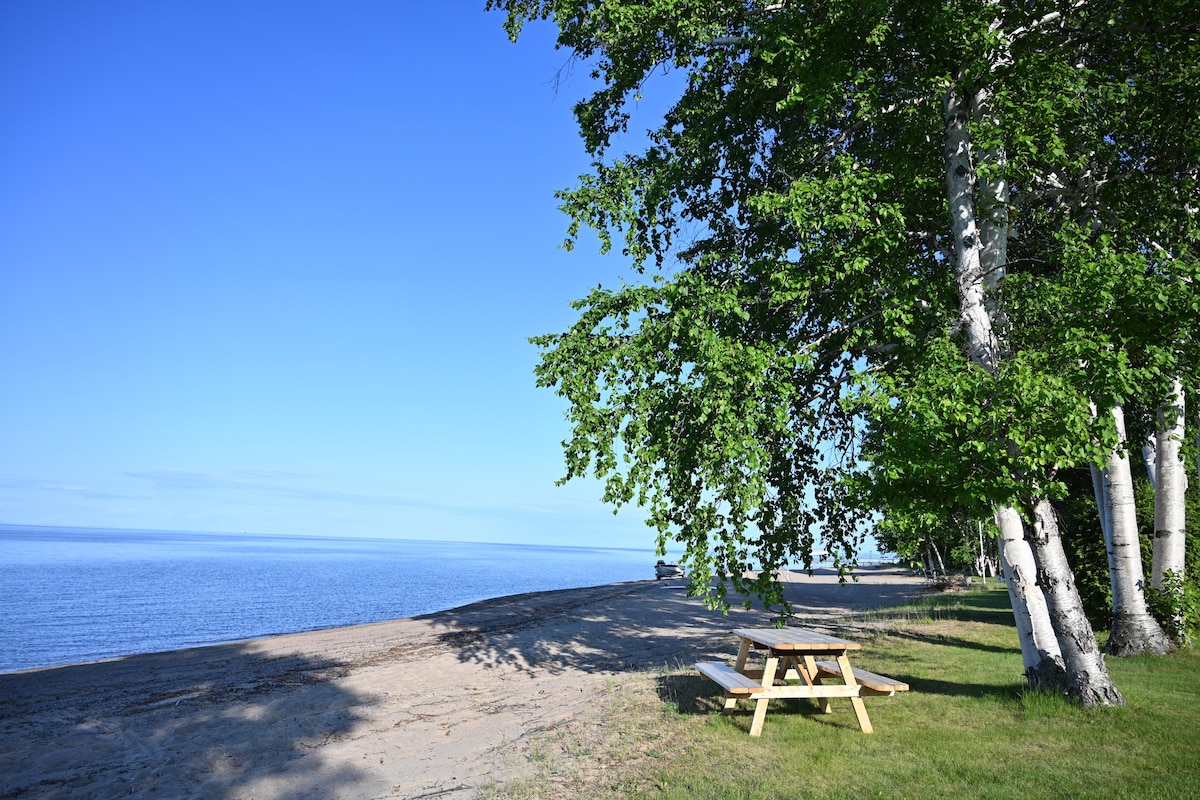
x: 664, y: 570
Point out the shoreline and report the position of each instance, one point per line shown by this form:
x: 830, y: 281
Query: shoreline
x: 787, y: 576
x: 432, y: 705
x: 278, y: 635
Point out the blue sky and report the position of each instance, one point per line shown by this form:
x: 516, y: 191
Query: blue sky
x: 271, y: 266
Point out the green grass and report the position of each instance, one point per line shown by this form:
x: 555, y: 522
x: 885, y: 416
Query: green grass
x: 969, y: 727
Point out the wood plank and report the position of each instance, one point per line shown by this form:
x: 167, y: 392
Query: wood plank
x: 800, y: 691
x: 860, y: 708
x: 798, y: 639
x: 743, y: 654
x: 760, y: 706
x: 871, y: 680
x: 729, y: 679
x: 790, y: 674
x: 810, y: 664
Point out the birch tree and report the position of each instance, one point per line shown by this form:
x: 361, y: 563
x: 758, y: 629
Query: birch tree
x: 1124, y: 303
x: 1134, y: 630
x: 801, y: 292
x: 980, y: 247
x: 1170, y: 486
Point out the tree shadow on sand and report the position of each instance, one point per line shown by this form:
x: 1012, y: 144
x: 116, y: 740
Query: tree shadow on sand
x: 637, y: 625
x: 599, y: 629
x: 210, y: 722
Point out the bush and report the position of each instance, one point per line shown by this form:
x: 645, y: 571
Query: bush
x: 1176, y: 606
x: 1084, y: 543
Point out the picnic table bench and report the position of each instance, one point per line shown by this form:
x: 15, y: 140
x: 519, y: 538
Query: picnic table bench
x: 871, y: 683
x: 791, y: 655
x: 732, y: 681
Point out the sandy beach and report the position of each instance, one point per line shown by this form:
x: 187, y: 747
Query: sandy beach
x: 430, y: 707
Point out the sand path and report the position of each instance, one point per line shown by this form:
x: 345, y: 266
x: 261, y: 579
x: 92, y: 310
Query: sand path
x: 430, y: 707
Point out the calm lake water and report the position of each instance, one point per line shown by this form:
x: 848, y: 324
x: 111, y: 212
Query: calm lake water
x: 81, y: 594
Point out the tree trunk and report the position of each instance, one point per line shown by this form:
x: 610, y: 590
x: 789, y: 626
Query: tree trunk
x: 1134, y: 630
x: 1039, y: 645
x: 977, y: 267
x: 1172, y: 484
x: 960, y: 192
x: 1086, y: 678
x: 1088, y: 681
x: 1150, y: 456
x: 985, y: 565
x: 939, y: 566
x: 1104, y: 510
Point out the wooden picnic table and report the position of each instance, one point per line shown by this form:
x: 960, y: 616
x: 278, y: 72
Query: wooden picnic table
x: 791, y: 655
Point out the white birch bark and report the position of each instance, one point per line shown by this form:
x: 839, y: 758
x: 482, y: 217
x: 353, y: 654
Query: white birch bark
x: 941, y: 565
x: 1150, y: 456
x: 1172, y: 484
x: 1134, y: 630
x: 1104, y: 509
x: 993, y: 222
x: 1088, y: 681
x: 975, y: 321
x: 978, y: 267
x: 1039, y: 645
x: 985, y: 565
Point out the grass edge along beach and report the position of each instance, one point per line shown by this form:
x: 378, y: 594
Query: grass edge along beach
x: 970, y: 727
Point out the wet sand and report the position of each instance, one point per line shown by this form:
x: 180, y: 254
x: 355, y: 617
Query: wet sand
x: 434, y: 706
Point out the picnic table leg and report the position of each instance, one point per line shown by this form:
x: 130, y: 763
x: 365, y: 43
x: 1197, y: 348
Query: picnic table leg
x: 860, y: 708
x: 810, y: 664
x: 743, y: 653
x: 739, y: 665
x: 760, y: 706
x: 792, y: 669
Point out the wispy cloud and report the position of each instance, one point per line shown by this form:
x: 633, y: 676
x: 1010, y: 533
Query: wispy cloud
x: 60, y: 487
x: 300, y: 486
x: 303, y: 486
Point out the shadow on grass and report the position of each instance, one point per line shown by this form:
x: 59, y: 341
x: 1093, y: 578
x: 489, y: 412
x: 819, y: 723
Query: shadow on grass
x: 691, y: 694
x: 694, y: 696
x: 688, y: 694
x: 953, y: 689
x: 944, y: 640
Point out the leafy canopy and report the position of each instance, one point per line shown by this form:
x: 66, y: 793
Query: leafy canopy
x: 788, y: 220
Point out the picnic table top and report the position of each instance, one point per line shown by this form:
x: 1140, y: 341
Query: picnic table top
x: 797, y: 639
